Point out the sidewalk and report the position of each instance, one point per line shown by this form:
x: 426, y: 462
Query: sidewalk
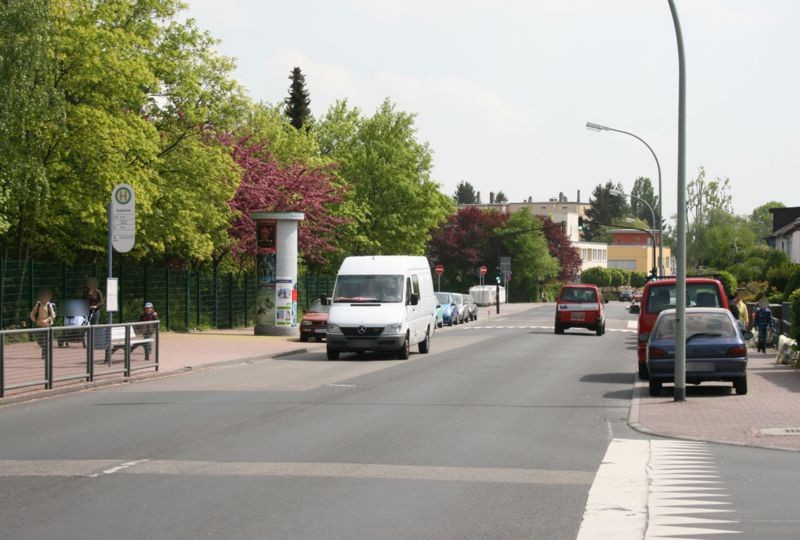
x: 717, y: 414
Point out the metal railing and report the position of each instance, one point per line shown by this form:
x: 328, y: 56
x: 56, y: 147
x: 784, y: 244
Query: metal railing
x: 47, y: 356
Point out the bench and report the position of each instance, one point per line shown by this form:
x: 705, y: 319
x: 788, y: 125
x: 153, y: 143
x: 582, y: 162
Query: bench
x: 118, y: 340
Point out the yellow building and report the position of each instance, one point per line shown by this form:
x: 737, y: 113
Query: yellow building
x: 638, y: 258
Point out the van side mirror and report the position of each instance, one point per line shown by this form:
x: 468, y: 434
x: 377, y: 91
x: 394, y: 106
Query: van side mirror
x: 414, y: 299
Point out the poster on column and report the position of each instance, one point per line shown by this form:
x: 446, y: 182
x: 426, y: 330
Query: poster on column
x: 266, y: 263
x: 284, y: 313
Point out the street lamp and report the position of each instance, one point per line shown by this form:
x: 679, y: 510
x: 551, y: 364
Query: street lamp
x: 618, y: 193
x: 592, y: 126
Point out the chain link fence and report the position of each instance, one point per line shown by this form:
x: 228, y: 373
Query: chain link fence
x: 184, y: 299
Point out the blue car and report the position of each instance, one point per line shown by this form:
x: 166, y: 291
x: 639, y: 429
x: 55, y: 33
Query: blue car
x: 715, y: 349
x: 450, y: 315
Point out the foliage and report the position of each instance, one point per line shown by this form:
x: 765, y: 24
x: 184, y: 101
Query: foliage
x: 755, y: 290
x: 138, y: 95
x: 709, y: 206
x: 523, y: 238
x: 638, y: 279
x: 643, y: 189
x: 729, y: 282
x: 759, y: 263
x: 298, y: 104
x: 268, y: 124
x: 463, y: 243
x: 604, y: 208
x: 268, y: 186
x: 794, y: 301
x: 560, y: 247
x: 465, y: 194
x: 394, y: 201
x: 500, y: 198
x: 761, y: 218
x: 779, y: 276
x: 596, y: 276
x: 793, y: 283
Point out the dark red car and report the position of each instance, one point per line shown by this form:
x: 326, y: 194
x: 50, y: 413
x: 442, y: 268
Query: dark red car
x: 315, y: 322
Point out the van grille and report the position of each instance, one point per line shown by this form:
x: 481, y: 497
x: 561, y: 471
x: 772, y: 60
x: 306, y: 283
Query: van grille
x: 367, y: 331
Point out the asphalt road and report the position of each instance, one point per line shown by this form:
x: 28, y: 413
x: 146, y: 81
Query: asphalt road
x: 499, y: 433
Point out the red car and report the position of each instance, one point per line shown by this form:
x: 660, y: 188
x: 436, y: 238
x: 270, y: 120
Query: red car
x: 660, y: 294
x: 580, y: 306
x: 315, y: 322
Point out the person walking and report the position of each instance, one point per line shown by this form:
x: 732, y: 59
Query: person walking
x: 148, y: 314
x: 43, y: 315
x: 762, y: 319
x: 94, y: 297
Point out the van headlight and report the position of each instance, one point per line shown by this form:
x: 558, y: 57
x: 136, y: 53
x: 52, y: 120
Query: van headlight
x: 333, y: 329
x: 393, y: 329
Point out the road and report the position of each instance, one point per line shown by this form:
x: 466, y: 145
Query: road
x: 504, y: 431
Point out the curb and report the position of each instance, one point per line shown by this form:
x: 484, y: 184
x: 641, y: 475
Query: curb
x: 41, y: 395
x: 633, y: 423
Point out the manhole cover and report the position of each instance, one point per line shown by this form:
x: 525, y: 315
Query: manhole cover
x: 780, y: 431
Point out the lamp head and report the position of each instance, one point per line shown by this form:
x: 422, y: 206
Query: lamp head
x: 591, y: 126
x: 616, y: 193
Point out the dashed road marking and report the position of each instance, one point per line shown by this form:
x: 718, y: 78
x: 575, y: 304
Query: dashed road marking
x: 532, y: 327
x: 657, y: 489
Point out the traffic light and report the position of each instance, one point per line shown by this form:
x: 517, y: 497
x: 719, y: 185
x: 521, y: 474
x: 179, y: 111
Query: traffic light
x: 498, y: 277
x: 654, y: 274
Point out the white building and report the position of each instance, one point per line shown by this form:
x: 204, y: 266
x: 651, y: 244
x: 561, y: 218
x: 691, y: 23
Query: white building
x: 592, y: 254
x: 785, y: 235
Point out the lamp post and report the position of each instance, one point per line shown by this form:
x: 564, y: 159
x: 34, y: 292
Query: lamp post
x: 680, y: 289
x: 618, y: 193
x: 591, y: 126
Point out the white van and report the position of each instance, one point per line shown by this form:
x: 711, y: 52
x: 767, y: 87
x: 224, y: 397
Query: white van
x: 382, y: 303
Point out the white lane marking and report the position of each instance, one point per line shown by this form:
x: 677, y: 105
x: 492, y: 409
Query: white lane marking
x: 119, y: 468
x: 532, y: 327
x: 657, y: 489
x: 307, y: 470
x: 633, y: 325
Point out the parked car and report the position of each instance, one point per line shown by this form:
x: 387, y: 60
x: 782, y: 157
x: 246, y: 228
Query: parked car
x: 625, y: 296
x: 472, y: 307
x: 382, y: 303
x: 439, y: 313
x: 315, y: 321
x: 461, y: 307
x: 660, y: 294
x: 449, y: 311
x: 715, y: 349
x: 580, y: 306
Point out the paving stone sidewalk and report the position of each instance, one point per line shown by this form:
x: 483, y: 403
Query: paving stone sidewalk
x: 715, y: 413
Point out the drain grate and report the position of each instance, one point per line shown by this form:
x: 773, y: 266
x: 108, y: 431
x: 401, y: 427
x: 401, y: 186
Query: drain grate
x: 780, y: 431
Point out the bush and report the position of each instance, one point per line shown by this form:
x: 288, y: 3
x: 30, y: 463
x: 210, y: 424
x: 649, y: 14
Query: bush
x: 793, y: 283
x: 778, y: 277
x: 775, y: 298
x: 596, y: 276
x: 794, y: 306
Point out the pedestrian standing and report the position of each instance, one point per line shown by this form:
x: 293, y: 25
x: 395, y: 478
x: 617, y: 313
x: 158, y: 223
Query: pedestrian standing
x: 148, y: 314
x: 744, y: 316
x: 762, y: 319
x: 43, y: 315
x: 94, y: 297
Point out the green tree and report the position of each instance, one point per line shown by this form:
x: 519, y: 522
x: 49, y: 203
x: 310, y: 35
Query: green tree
x: 523, y: 238
x: 604, y: 208
x: 387, y: 173
x: 708, y: 201
x: 465, y: 194
x: 298, y: 104
x: 31, y: 117
x: 500, y: 198
x: 643, y: 189
x: 761, y: 218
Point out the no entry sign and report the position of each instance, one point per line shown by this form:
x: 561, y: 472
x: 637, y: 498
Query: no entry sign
x: 483, y: 270
x: 439, y: 269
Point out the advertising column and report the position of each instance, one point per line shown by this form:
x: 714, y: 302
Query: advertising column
x: 276, y: 295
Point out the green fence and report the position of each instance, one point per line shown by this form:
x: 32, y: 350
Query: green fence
x: 184, y: 299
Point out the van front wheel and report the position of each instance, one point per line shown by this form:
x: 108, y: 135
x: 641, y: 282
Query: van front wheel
x: 405, y: 350
x: 425, y: 345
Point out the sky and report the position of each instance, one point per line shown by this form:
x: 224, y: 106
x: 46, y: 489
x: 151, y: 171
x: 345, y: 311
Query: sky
x: 503, y: 89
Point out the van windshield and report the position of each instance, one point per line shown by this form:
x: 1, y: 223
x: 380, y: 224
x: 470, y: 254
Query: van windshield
x: 662, y: 297
x: 380, y: 289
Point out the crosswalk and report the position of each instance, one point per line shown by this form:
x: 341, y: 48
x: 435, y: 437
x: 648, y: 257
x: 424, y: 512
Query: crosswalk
x: 656, y: 489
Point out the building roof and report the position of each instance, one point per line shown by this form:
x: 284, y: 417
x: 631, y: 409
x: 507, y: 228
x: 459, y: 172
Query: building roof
x: 788, y: 228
